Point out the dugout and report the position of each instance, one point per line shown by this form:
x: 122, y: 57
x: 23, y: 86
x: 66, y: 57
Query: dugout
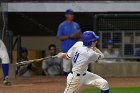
x: 117, y: 21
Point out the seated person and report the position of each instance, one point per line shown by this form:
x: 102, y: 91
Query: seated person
x: 110, y: 52
x: 52, y: 66
x: 24, y: 71
x: 137, y: 54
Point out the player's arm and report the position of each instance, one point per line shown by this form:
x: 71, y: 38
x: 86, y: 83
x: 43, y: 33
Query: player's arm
x: 98, y: 53
x: 76, y: 35
x: 62, y: 55
x: 63, y: 37
x: 60, y: 33
x: 67, y: 55
x: 101, y: 54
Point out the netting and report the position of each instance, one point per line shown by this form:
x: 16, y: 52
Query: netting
x: 118, y: 22
x: 123, y: 29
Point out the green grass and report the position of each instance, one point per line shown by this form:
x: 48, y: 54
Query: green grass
x: 115, y: 90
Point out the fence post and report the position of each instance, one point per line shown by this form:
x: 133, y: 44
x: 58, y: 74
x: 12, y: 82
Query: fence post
x: 9, y: 43
x: 18, y: 48
x: 94, y: 23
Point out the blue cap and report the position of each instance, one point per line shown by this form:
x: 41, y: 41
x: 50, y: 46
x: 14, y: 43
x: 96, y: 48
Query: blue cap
x: 109, y: 42
x: 88, y: 37
x: 69, y: 11
x: 24, y: 50
x: 137, y: 53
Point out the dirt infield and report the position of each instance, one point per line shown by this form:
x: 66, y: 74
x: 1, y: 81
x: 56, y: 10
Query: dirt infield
x: 45, y: 84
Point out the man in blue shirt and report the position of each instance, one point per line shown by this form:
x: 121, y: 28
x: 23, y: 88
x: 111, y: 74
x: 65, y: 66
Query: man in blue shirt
x: 68, y: 33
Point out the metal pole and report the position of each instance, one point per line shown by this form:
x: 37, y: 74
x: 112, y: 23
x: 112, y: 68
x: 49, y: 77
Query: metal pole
x: 1, y: 21
x: 123, y: 45
x: 95, y: 23
x: 4, y: 8
x: 18, y: 48
x: 134, y: 43
x: 10, y: 45
x: 101, y: 42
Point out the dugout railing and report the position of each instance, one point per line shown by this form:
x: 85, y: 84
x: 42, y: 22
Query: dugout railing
x: 128, y: 42
x: 123, y: 29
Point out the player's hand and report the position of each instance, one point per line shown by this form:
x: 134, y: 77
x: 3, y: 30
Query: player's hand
x: 94, y: 48
x: 75, y: 35
x: 60, y: 55
x: 98, y: 51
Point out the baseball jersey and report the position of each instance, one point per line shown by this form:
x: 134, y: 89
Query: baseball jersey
x: 81, y: 57
x: 112, y: 55
x: 67, y: 29
x: 3, y: 53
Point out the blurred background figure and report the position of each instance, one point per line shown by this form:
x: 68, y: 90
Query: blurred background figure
x: 24, y: 54
x: 26, y: 70
x: 68, y: 33
x: 137, y: 54
x: 52, y: 66
x: 110, y: 52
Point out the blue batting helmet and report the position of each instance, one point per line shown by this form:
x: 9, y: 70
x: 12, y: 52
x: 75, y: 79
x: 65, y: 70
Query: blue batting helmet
x: 88, y: 37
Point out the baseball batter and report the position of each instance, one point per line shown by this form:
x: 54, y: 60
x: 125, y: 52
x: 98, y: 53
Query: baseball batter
x: 5, y: 62
x: 82, y: 54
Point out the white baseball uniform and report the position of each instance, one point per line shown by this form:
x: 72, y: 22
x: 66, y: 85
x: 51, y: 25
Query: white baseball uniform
x: 81, y: 57
x: 3, y: 53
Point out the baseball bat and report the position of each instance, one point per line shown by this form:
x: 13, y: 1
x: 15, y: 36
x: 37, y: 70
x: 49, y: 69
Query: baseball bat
x: 21, y: 63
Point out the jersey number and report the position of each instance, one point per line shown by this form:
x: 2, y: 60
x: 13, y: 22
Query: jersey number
x: 75, y: 57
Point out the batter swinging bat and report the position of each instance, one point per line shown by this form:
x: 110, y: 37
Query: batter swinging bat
x: 33, y: 61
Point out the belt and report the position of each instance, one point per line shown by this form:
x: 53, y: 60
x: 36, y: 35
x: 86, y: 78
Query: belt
x: 79, y: 74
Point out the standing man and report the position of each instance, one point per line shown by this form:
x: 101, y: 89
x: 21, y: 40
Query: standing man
x: 5, y: 62
x: 68, y: 33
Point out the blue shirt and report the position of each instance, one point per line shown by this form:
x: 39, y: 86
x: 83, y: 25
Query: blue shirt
x: 67, y: 29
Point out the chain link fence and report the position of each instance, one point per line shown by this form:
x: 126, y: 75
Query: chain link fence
x: 123, y: 29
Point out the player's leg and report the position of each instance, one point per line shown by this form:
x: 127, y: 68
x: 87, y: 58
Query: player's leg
x: 5, y: 62
x: 66, y: 66
x: 5, y: 69
x: 97, y: 81
x: 73, y: 84
x: 5, y: 65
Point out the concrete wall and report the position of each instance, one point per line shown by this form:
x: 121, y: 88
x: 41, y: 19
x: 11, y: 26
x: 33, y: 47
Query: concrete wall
x: 39, y: 42
x: 76, y: 6
x: 42, y: 42
x: 116, y: 69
